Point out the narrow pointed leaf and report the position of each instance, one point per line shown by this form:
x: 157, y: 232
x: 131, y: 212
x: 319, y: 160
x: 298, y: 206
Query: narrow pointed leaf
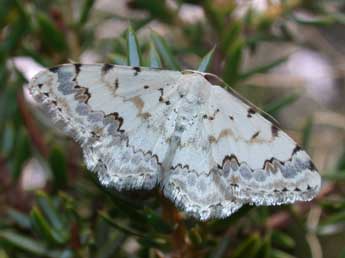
x: 85, y: 11
x: 206, y: 61
x: 116, y: 225
x: 233, y: 62
x: 118, y: 59
x: 58, y: 167
x: 274, y: 107
x: 157, y: 222
x: 49, y: 211
x: 164, y: 52
x: 275, y: 253
x: 282, y: 239
x: 32, y: 246
x: 134, y: 56
x: 8, y: 140
x: 248, y: 247
x: 43, y: 227
x: 155, y: 61
x: 51, y: 36
x: 262, y: 69
x: 23, y: 243
x: 307, y: 131
x: 20, y: 218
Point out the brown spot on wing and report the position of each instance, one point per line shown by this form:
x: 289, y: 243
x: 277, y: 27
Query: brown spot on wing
x: 138, y: 102
x: 212, y: 139
x: 222, y: 134
x: 145, y: 115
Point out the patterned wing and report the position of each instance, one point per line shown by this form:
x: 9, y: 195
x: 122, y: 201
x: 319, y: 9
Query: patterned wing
x: 210, y: 152
x: 230, y: 155
x: 116, y: 113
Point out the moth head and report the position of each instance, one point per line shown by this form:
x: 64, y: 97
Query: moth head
x: 194, y: 87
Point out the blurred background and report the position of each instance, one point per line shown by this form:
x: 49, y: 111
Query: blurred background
x: 287, y: 57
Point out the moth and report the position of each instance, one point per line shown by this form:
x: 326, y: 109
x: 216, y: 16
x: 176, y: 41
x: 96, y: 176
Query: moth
x: 208, y: 150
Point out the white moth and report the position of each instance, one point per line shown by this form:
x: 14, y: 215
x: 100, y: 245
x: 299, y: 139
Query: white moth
x: 207, y: 149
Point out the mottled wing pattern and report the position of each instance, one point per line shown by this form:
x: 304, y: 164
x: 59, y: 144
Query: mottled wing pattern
x: 232, y: 155
x: 262, y: 164
x: 117, y: 114
x: 208, y: 150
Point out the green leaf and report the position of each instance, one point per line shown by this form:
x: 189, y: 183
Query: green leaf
x: 118, y: 59
x: 42, y: 226
x: 57, y: 162
x: 214, y: 17
x: 335, y: 176
x: 156, y: 8
x: 8, y: 140
x: 339, y: 17
x: 342, y: 253
x: 16, y: 30
x: 51, y: 36
x: 231, y: 35
x: 233, y: 62
x: 49, y: 211
x: 22, y: 152
x: 274, y: 107
x: 195, y: 236
x: 116, y: 225
x: 5, y: 10
x: 262, y: 69
x: 341, y: 162
x: 248, y: 247
x: 31, y: 246
x: 157, y: 222
x: 111, y: 246
x: 323, y: 20
x: 275, y: 253
x: 164, y: 52
x: 307, y: 131
x: 265, y: 248
x: 221, y: 248
x: 338, y: 217
x: 206, y: 61
x: 3, y: 254
x: 85, y: 11
x: 282, y: 239
x: 24, y: 243
x: 133, y: 50
x: 155, y: 61
x: 19, y: 218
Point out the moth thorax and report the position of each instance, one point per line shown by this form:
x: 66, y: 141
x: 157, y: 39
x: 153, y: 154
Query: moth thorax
x: 194, y: 88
